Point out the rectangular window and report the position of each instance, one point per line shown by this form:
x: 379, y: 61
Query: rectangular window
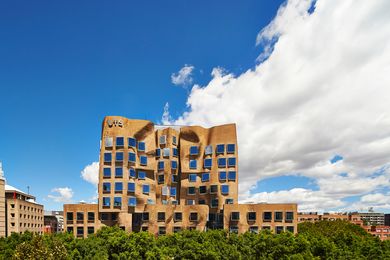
x: 174, y: 165
x: 190, y: 202
x: 175, y: 178
x: 192, y: 164
x: 202, y: 202
x: 279, y: 229
x: 160, y: 216
x: 202, y: 189
x: 132, y: 201
x: 119, y: 172
x: 163, y: 139
x: 145, y: 188
x: 132, y: 172
x: 225, y: 189
x: 166, y: 152
x: 106, y: 187
x: 141, y: 175
x: 193, y: 216
x: 173, y: 191
x: 141, y: 146
x: 145, y: 216
x: 164, y: 190
x: 130, y: 187
x: 229, y: 201
x: 191, y: 191
x: 161, y: 165
x: 212, y: 217
x: 213, y: 189
x: 222, y: 176
x: 254, y: 229
x: 232, y: 176
x: 160, y: 178
x: 174, y: 152
x: 118, y: 186
x: 174, y: 202
x: 233, y: 229
x: 176, y: 229
x: 231, y: 148
x: 251, y: 216
x: 120, y: 141
x: 108, y: 141
x: 289, y: 216
x: 91, y: 230
x: 174, y: 140
x: 194, y: 150
x: 119, y: 156
x: 234, y: 216
x: 91, y: 216
x: 158, y: 152
x: 221, y: 162
x: 278, y: 216
x: 205, y: 177
x: 132, y: 157
x: 107, y: 172
x: 106, y: 201
x: 107, y: 157
x: 232, y: 161
x: 80, y: 231
x: 290, y: 229
x: 69, y: 216
x: 208, y: 150
x: 220, y: 149
x: 161, y: 231
x: 104, y: 216
x: 143, y: 160
x: 132, y: 142
x: 214, y: 203
x: 267, y: 216
x: 208, y: 163
x: 178, y: 216
x: 192, y: 177
x: 117, y: 201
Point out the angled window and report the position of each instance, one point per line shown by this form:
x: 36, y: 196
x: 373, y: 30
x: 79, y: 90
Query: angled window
x: 132, y: 172
x: 160, y: 178
x: 131, y: 142
x: 208, y: 162
x: 173, y: 191
x: 118, y: 186
x: 208, y: 150
x: 106, y: 201
x: 163, y: 139
x: 166, y: 152
x: 231, y: 148
x: 278, y: 216
x: 225, y: 189
x: 205, y: 177
x: 202, y: 202
x: 251, y: 216
x: 164, y: 202
x: 174, y: 152
x: 145, y: 189
x: 143, y: 160
x: 174, y: 165
x: 108, y: 142
x: 232, y: 176
x: 192, y: 164
x: 213, y: 189
x: 193, y: 216
x: 158, y: 152
x: 202, y: 189
x: 106, y: 187
x: 221, y: 162
x: 145, y: 216
x: 160, y: 216
x: 191, y: 191
x: 141, y: 175
x: 174, y: 140
x: 174, y: 202
x: 160, y: 165
x: 254, y: 229
x: 107, y: 157
x: 214, y: 203
x: 141, y: 146
x: 150, y: 201
x: 235, y: 216
x: 117, y: 201
x: 132, y: 157
x: 130, y: 187
x: 232, y: 161
x: 132, y: 202
x: 289, y: 217
x: 192, y: 177
x: 164, y: 190
x: 194, y: 150
x: 175, y: 178
x: 106, y: 172
x: 119, y: 156
x: 229, y: 201
x: 118, y: 172
x: 222, y: 176
x: 220, y: 149
x: 190, y: 202
x: 267, y: 216
x: 120, y: 141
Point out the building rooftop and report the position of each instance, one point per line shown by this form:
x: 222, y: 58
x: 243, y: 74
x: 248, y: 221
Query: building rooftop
x: 9, y: 188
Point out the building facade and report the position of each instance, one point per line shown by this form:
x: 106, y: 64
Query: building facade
x: 370, y: 218
x: 2, y: 203
x: 53, y: 221
x: 186, y: 171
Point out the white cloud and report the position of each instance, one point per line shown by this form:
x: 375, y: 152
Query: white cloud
x: 91, y: 173
x: 65, y: 195
x: 323, y: 90
x: 184, y: 76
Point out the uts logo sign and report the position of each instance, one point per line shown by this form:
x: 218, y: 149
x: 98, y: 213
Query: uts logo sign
x: 115, y: 122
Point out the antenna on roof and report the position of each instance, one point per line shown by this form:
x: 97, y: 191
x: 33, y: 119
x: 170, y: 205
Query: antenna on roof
x: 28, y: 190
x: 1, y: 171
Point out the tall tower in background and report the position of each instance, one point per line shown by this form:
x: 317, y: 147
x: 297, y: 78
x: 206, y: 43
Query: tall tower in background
x: 2, y: 202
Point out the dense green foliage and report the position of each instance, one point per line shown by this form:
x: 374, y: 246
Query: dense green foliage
x: 322, y: 240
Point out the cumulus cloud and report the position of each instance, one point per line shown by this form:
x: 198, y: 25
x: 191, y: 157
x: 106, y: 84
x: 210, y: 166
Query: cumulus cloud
x: 183, y: 77
x: 63, y: 195
x: 321, y: 88
x: 91, y: 173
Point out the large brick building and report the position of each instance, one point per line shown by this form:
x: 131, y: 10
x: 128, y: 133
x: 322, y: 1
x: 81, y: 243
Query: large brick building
x: 166, y: 178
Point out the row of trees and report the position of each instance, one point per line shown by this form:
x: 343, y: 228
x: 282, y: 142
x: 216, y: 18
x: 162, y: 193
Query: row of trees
x: 321, y: 240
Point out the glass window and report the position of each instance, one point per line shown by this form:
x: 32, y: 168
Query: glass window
x: 141, y: 146
x: 232, y: 176
x: 145, y: 216
x: 192, y: 177
x: 193, y: 216
x: 225, y: 189
x: 254, y: 229
x: 130, y: 187
x: 145, y: 188
x: 222, y: 176
x: 279, y: 229
x: 118, y: 186
x: 143, y: 160
x: 220, y: 148
x: 212, y: 217
x: 221, y: 162
x: 173, y: 191
x: 132, y: 201
x: 278, y: 216
x: 174, y: 152
x: 164, y: 190
x: 118, y: 172
x: 289, y: 216
x: 202, y: 202
x: 164, y: 202
x: 161, y: 165
x: 132, y: 172
x: 175, y: 178
x: 132, y: 157
x: 194, y: 150
x: 150, y: 201
x: 161, y: 231
x: 107, y: 172
x: 192, y: 164
x: 229, y: 201
x: 117, y: 201
x: 108, y: 141
x: 106, y: 201
x: 214, y: 203
x: 161, y: 216
x: 191, y: 191
x: 174, y: 140
x: 69, y: 216
x: 174, y: 202
x: 104, y: 216
x: 141, y: 175
x: 205, y: 177
x: 114, y: 216
x: 91, y: 230
x: 106, y: 187
x: 267, y: 216
x: 231, y: 148
x: 120, y: 141
x: 119, y: 156
x: 176, y: 229
x: 251, y: 216
x: 213, y: 188
x: 290, y: 229
x: 158, y: 152
x: 160, y: 178
x: 202, y: 189
x: 174, y: 165
x: 80, y: 231
x: 232, y: 161
x: 190, y: 202
x: 235, y: 216
x: 131, y: 142
x: 178, y: 216
x: 208, y: 163
x: 107, y: 157
x: 166, y: 152
x: 208, y: 150
x: 163, y: 139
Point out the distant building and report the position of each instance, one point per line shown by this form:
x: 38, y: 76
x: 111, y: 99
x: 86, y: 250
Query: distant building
x: 2, y: 203
x: 369, y: 218
x: 53, y: 221
x: 387, y: 219
x: 163, y: 179
x: 314, y: 216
